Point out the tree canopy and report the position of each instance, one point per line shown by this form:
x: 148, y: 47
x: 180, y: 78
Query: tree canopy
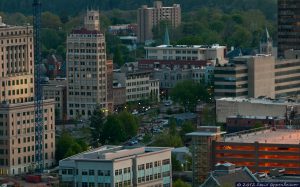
x: 66, y: 146
x: 188, y: 93
x: 113, y: 129
x: 180, y: 183
x: 71, y: 7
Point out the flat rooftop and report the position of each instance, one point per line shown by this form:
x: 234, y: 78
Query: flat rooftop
x: 110, y: 153
x: 256, y: 117
x: 278, y: 136
x: 257, y: 101
x: 214, y: 46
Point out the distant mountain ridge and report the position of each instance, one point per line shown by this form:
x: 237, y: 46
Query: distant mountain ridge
x: 71, y: 7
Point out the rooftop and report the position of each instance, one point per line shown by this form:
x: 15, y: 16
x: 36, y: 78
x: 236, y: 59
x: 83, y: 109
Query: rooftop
x: 185, y: 116
x: 257, y: 101
x: 228, y: 175
x: 271, y: 136
x: 214, y: 46
x: 256, y: 117
x: 110, y: 153
x: 85, y: 31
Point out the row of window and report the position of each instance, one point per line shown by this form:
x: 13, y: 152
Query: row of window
x: 75, y: 57
x: 16, y: 82
x: 84, y: 45
x: 156, y: 164
x: 85, y: 68
x: 138, y: 96
x: 138, y: 89
x: 84, y: 63
x: 124, y: 184
x: 84, y: 87
x: 28, y: 159
x: 91, y: 172
x: 152, y: 177
x: 15, y: 41
x: 29, y: 148
x: 20, y: 32
x: 125, y: 171
x: 137, y: 83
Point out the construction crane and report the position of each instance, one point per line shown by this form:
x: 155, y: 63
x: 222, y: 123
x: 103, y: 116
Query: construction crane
x: 38, y: 98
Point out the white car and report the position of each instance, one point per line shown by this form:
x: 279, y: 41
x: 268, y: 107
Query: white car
x: 135, y: 112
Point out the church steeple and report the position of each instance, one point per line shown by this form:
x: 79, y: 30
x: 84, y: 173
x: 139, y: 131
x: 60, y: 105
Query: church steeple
x: 167, y: 37
x: 266, y: 44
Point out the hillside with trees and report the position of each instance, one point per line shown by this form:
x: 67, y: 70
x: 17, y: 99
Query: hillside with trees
x: 238, y: 23
x: 72, y: 7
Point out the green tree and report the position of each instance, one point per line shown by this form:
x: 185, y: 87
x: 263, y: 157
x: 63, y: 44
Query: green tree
x: 97, y: 125
x: 180, y: 183
x: 172, y: 127
x: 187, y: 127
x: 67, y: 146
x: 50, y: 20
x: 188, y: 93
x: 208, y: 116
x: 113, y: 131
x: 167, y: 140
x: 118, y: 57
x: 129, y: 122
x: 176, y: 165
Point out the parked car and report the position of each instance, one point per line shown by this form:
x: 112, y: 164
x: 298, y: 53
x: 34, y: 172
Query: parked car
x: 168, y: 102
x: 135, y: 112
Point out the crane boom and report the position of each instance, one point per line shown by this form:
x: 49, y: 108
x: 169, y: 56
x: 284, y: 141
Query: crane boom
x: 38, y: 98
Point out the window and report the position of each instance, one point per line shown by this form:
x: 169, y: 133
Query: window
x: 64, y: 171
x: 141, y: 167
x: 107, y: 173
x: 91, y: 172
x: 166, y: 161
x: 84, y: 173
x: 100, y: 173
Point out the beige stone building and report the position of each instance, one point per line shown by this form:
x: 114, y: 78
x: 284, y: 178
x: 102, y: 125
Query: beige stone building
x: 57, y: 90
x: 148, y: 17
x: 118, y: 166
x: 258, y: 76
x: 247, y: 76
x: 287, y: 78
x: 86, y: 68
x: 17, y: 112
x: 139, y: 85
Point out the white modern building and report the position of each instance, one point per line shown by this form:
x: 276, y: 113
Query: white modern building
x: 186, y: 52
x: 116, y: 166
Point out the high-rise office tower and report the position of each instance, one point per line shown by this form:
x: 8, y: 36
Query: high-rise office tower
x: 288, y: 25
x: 86, y: 68
x: 148, y: 17
x: 17, y: 111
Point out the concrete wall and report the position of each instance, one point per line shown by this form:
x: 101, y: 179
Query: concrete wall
x: 232, y: 108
